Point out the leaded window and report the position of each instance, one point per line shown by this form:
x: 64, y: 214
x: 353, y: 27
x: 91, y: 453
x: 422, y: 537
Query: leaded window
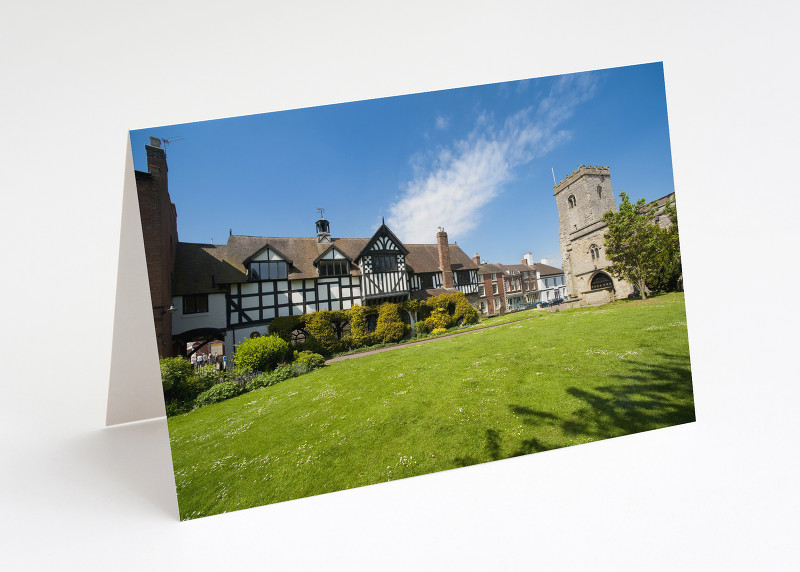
x: 333, y: 267
x: 384, y: 263
x: 268, y: 270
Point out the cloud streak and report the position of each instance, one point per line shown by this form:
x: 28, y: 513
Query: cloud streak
x: 452, y: 185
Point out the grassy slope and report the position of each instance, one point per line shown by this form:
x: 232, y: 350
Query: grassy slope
x: 555, y: 380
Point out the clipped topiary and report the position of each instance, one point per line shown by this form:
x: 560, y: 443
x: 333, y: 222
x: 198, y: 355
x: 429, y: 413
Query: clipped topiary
x: 260, y: 354
x: 320, y: 336
x: 358, y: 326
x: 391, y: 327
x: 220, y: 392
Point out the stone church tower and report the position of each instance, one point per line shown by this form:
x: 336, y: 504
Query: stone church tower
x: 583, y: 197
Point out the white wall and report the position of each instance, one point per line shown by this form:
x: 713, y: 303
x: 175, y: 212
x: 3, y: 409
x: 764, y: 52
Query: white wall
x: 214, y: 318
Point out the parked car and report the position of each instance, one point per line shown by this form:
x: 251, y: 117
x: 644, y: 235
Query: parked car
x: 528, y: 306
x: 556, y: 302
x: 543, y: 304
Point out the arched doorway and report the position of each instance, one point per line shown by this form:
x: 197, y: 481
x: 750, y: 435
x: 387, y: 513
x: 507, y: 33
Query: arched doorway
x: 601, y: 280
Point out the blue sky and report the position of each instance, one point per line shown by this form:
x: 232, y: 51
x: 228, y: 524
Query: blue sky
x: 475, y: 160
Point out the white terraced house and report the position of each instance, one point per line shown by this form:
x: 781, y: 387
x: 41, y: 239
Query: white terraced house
x: 234, y: 290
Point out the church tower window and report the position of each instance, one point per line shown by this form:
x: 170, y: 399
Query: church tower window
x: 572, y: 201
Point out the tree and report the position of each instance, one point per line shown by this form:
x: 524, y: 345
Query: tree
x: 632, y: 242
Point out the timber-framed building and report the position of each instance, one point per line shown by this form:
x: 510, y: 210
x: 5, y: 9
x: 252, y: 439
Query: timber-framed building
x: 233, y: 291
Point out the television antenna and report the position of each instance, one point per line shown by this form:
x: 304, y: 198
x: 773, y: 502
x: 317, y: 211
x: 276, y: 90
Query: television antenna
x: 168, y: 141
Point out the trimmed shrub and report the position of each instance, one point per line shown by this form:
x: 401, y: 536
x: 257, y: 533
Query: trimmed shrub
x: 220, y: 392
x: 391, y: 327
x: 321, y: 337
x: 306, y: 361
x: 260, y: 354
x: 281, y: 373
x: 358, y: 326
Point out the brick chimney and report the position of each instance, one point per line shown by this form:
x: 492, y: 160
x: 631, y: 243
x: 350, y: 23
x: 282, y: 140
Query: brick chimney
x: 476, y: 259
x: 444, y: 259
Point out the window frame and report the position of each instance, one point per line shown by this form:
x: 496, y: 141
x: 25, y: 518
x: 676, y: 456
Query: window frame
x: 190, y: 304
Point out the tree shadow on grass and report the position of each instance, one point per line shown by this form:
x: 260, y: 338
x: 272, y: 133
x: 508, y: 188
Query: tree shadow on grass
x: 649, y: 396
x: 493, y: 440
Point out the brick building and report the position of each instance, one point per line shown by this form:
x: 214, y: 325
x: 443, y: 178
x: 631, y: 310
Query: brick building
x: 160, y: 233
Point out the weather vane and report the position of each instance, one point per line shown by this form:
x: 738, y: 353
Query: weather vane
x: 321, y: 212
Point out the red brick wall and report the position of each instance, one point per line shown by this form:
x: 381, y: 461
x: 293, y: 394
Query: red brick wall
x: 160, y: 233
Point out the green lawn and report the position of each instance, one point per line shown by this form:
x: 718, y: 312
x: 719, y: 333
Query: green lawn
x: 551, y: 381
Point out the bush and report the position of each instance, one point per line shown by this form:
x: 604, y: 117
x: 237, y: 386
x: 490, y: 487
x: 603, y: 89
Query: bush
x: 220, y: 392
x: 438, y: 320
x: 391, y: 327
x: 456, y: 306
x: 321, y: 337
x: 306, y: 361
x: 260, y: 354
x: 174, y: 372
x: 439, y: 331
x: 283, y: 326
x: 202, y: 379
x: 175, y: 407
x: 281, y: 373
x: 358, y: 325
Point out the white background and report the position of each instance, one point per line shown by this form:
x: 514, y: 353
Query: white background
x: 719, y: 494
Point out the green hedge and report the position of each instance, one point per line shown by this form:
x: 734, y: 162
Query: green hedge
x: 260, y: 354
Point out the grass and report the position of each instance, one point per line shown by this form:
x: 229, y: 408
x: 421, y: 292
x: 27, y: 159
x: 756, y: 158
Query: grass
x: 555, y: 380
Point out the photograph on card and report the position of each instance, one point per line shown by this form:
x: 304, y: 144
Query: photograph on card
x: 356, y: 293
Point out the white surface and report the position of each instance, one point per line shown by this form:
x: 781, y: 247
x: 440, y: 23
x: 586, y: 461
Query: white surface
x: 719, y: 494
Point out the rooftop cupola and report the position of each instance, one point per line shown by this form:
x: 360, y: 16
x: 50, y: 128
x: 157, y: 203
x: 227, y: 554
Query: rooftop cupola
x: 323, y: 228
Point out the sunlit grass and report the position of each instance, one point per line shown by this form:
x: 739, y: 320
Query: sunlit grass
x: 555, y: 380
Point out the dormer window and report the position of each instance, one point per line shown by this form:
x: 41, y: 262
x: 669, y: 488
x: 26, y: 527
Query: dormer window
x: 267, y: 271
x: 572, y: 201
x: 333, y: 268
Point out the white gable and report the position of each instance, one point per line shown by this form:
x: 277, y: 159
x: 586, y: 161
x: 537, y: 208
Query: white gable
x: 384, y: 243
x: 334, y: 254
x: 266, y: 255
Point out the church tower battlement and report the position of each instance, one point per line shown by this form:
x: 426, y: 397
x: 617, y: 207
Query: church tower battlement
x: 583, y: 197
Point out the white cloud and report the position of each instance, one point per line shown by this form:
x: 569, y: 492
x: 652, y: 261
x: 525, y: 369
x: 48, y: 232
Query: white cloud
x: 451, y: 186
x: 442, y: 122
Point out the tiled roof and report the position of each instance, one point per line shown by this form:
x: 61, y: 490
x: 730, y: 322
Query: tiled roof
x: 425, y: 258
x: 490, y: 269
x: 546, y: 270
x: 196, y: 264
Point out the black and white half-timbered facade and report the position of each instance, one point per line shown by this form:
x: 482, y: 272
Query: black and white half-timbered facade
x: 234, y: 290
